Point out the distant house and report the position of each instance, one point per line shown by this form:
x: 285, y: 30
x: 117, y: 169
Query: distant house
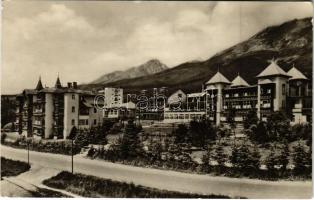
x: 177, y: 97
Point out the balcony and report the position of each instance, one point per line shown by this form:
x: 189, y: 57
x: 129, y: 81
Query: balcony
x: 38, y: 124
x: 266, y: 106
x: 38, y: 112
x: 39, y: 101
x: 263, y: 97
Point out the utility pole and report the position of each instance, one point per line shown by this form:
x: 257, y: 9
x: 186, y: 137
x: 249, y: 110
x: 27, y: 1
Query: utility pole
x: 72, y: 155
x: 72, y: 136
x: 27, y: 152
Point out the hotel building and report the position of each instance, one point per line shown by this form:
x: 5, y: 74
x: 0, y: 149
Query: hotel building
x: 275, y: 90
x: 53, y: 112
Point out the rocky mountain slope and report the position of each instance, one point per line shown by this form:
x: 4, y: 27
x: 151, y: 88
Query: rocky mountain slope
x: 290, y: 43
x: 150, y: 67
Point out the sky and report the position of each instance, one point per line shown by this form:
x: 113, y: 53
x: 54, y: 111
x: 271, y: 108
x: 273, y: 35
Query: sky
x: 82, y: 40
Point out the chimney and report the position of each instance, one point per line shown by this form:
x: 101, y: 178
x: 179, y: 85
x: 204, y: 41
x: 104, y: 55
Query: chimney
x: 75, y: 85
x: 69, y: 85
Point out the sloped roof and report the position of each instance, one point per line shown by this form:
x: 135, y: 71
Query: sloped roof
x: 272, y: 70
x: 239, y: 82
x: 58, y: 83
x: 296, y: 74
x: 218, y: 78
x: 39, y: 85
x: 198, y: 94
x: 265, y: 81
x: 29, y: 91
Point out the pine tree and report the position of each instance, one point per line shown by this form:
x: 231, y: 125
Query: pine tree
x: 130, y: 146
x: 181, y: 134
x: 206, y: 159
x: 220, y: 157
x: 271, y: 162
x: 254, y: 159
x: 283, y: 158
x: 244, y: 159
x: 278, y: 126
x: 260, y: 135
x: 300, y: 159
x: 81, y: 139
x: 250, y: 119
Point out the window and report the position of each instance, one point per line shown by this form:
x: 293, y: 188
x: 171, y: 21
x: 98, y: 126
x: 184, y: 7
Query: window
x: 95, y: 121
x: 86, y: 122
x: 73, y: 109
x: 73, y: 96
x: 95, y: 110
x: 73, y: 122
x: 283, y: 89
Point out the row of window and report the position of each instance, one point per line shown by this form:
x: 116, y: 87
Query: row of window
x: 182, y: 116
x: 83, y: 122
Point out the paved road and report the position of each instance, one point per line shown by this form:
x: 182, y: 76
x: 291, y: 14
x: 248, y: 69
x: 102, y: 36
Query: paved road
x: 168, y: 180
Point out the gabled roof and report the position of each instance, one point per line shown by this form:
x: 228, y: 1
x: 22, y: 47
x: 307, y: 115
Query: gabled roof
x: 265, y: 81
x: 29, y: 91
x: 58, y: 83
x: 218, y: 78
x: 39, y: 85
x: 239, y: 82
x: 272, y: 70
x: 296, y: 74
x: 178, y: 91
x: 197, y: 94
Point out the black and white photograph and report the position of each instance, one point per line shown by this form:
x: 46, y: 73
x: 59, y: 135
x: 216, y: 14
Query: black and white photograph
x: 156, y: 99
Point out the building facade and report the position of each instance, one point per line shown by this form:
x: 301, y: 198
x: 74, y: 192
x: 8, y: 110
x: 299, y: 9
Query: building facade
x: 53, y: 112
x: 275, y: 90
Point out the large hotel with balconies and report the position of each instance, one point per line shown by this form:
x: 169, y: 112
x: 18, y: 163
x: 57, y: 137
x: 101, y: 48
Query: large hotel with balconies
x: 275, y: 90
x: 52, y: 112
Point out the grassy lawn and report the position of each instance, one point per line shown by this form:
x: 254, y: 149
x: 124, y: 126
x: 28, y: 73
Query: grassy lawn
x: 90, y: 186
x: 12, y: 167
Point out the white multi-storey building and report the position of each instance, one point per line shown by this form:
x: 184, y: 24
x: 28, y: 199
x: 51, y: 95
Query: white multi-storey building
x: 53, y: 112
x: 275, y: 90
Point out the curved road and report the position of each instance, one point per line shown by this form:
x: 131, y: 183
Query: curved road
x: 168, y: 180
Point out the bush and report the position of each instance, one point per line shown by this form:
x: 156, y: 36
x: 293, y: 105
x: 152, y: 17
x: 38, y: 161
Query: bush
x: 58, y: 147
x: 90, y: 186
x: 3, y: 136
x: 13, y: 167
x: 302, y: 160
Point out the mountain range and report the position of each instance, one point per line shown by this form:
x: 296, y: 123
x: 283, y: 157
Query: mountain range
x: 290, y: 43
x: 150, y: 67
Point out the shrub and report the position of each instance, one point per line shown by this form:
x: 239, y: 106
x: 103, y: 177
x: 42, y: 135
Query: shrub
x: 3, y: 136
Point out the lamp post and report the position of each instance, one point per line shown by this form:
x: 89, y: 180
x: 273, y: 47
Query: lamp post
x: 72, y: 156
x: 72, y: 137
x: 28, y: 152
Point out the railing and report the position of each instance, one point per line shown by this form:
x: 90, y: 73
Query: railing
x: 265, y: 97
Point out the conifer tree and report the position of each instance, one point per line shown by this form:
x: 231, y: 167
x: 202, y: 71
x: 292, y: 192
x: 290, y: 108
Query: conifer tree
x: 130, y: 146
x: 300, y: 159
x: 250, y: 119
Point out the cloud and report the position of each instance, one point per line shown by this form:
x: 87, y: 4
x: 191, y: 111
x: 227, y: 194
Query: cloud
x: 82, y: 40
